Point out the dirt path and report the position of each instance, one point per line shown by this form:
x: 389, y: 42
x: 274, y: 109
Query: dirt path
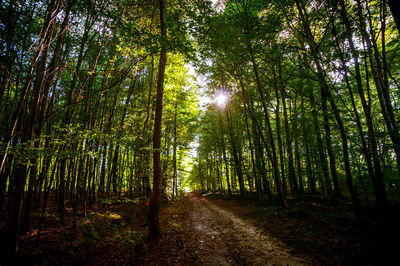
x: 225, y: 239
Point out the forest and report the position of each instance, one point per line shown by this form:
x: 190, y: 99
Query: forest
x: 199, y: 132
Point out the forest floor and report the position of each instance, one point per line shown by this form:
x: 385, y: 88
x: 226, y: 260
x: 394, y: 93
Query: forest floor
x: 214, y: 230
x: 210, y: 230
x: 208, y: 234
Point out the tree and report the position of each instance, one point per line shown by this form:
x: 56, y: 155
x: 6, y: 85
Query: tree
x: 154, y: 227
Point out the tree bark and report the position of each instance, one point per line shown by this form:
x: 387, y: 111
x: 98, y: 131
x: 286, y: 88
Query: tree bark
x: 154, y: 227
x: 292, y: 174
x: 394, y: 6
x: 236, y: 155
x: 224, y: 154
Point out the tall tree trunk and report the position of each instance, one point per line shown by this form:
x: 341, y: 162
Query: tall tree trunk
x: 256, y: 172
x: 279, y: 140
x: 320, y: 146
x: 224, y: 153
x: 236, y: 154
x: 154, y: 227
x: 174, y: 174
x: 296, y: 136
x: 292, y: 174
x: 256, y: 163
x: 331, y: 153
x: 274, y: 161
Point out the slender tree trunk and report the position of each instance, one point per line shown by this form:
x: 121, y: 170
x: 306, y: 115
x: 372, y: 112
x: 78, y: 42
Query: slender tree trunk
x: 331, y: 153
x: 321, y: 152
x: 279, y: 140
x: 274, y: 161
x: 174, y: 174
x: 236, y: 154
x: 253, y: 163
x: 154, y: 227
x: 224, y: 153
x: 292, y: 174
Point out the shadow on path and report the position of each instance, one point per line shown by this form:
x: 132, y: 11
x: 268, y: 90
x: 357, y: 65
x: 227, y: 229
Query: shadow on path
x: 225, y: 239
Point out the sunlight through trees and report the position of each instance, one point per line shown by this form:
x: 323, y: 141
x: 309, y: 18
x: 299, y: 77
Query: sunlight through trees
x: 141, y: 101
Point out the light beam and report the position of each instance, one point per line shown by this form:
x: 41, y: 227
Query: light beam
x: 221, y: 99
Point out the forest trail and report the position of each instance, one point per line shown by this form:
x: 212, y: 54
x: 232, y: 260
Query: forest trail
x: 225, y: 239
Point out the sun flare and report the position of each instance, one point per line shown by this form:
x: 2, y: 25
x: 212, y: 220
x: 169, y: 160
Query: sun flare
x: 221, y: 99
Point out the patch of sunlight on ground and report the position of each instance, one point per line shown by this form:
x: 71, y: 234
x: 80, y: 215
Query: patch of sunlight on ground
x: 114, y: 216
x: 111, y: 216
